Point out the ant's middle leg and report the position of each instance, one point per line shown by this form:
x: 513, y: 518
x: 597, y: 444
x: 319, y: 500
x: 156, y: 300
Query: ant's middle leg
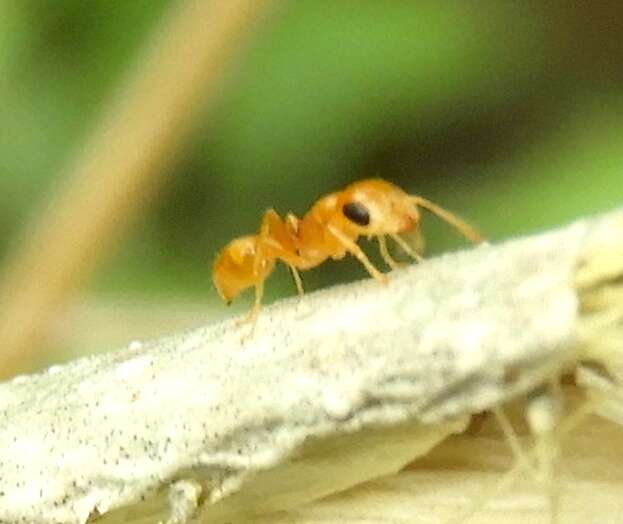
x: 297, y: 280
x: 270, y: 229
x: 277, y: 239
x: 251, y: 316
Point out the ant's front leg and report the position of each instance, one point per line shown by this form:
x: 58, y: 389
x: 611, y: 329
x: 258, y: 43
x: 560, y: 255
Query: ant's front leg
x: 407, y: 248
x: 389, y: 260
x: 355, y: 250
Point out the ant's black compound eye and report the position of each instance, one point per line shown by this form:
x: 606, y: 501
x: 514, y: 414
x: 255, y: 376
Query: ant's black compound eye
x: 356, y: 212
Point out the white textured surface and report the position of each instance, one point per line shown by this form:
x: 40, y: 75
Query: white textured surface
x: 443, y: 340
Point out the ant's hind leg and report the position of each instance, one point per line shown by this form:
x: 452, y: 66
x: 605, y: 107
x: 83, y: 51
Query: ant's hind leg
x: 389, y: 260
x: 297, y: 280
x: 356, y: 251
x: 407, y: 248
x: 271, y: 222
x: 251, y: 316
x: 292, y: 223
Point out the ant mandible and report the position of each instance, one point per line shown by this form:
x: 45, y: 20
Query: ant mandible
x: 330, y: 229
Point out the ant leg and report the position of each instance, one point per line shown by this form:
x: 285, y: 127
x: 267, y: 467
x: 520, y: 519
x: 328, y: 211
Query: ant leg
x: 523, y: 463
x: 270, y: 222
x: 543, y: 416
x: 297, y: 280
x: 530, y: 458
x: 251, y: 316
x: 460, y: 225
x: 277, y: 237
x: 521, y: 457
x: 353, y: 248
x: 389, y: 260
x: 257, y: 304
x: 292, y: 223
x: 407, y: 248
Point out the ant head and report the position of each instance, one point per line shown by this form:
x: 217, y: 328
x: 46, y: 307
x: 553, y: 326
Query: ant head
x: 234, y: 268
x: 376, y: 207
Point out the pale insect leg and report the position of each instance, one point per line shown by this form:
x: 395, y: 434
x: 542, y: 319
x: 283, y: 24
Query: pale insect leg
x: 513, y: 440
x: 270, y: 220
x: 389, y: 260
x: 353, y: 248
x: 506, y: 482
x: 544, y: 411
x: 543, y: 416
x: 251, y: 316
x: 523, y: 462
x: 292, y: 223
x: 460, y: 225
x: 545, y: 422
x: 292, y: 226
x: 562, y: 430
x: 407, y: 248
x: 297, y: 280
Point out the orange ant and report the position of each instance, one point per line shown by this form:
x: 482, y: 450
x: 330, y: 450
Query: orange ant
x: 330, y: 229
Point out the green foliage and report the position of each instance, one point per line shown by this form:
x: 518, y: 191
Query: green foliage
x: 492, y: 109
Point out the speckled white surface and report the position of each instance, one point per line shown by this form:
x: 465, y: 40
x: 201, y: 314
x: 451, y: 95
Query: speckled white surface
x: 204, y: 411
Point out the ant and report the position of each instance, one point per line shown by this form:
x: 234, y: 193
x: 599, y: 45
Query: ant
x: 330, y: 229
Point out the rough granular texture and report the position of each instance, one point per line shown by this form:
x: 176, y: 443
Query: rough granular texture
x: 203, y: 411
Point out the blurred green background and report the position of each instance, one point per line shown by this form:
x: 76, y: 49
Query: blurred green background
x: 508, y: 113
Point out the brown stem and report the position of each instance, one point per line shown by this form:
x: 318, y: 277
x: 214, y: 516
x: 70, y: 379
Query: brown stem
x: 120, y: 168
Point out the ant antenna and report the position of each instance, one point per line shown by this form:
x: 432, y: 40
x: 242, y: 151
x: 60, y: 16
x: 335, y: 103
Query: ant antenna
x: 463, y: 227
